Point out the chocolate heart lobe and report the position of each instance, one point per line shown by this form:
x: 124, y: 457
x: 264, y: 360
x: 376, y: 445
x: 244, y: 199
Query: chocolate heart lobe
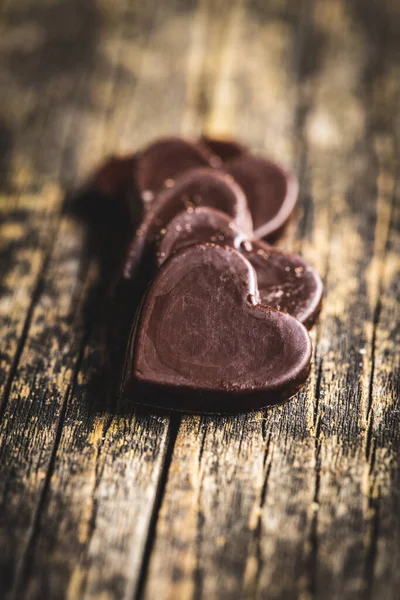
x: 199, y: 225
x: 203, y: 331
x: 195, y: 187
x: 271, y: 192
x: 286, y: 281
x: 164, y: 160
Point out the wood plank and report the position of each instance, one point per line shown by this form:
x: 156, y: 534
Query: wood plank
x: 109, y: 462
x: 278, y: 504
x: 382, y: 478
x: 43, y: 371
x: 36, y: 402
x: 40, y: 85
x: 361, y: 219
x: 27, y: 230
x: 48, y: 49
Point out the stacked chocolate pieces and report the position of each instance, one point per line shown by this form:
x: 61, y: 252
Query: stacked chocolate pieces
x: 223, y: 326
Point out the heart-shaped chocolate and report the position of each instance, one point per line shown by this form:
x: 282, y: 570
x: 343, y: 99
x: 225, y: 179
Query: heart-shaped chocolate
x: 196, y: 187
x: 202, y: 333
x: 161, y: 162
x: 195, y: 226
x: 271, y: 192
x: 286, y: 282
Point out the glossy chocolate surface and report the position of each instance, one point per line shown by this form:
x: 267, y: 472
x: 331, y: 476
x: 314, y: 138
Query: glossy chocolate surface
x: 164, y: 160
x: 271, y: 192
x: 286, y: 282
x: 196, y: 187
x: 203, y: 331
x: 195, y: 226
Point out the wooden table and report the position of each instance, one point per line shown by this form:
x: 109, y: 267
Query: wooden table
x: 102, y: 500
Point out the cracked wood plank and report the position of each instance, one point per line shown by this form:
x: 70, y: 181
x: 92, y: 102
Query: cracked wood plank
x: 51, y: 296
x: 109, y: 461
x: 360, y: 217
x: 34, y: 410
x: 382, y: 479
x: 26, y: 231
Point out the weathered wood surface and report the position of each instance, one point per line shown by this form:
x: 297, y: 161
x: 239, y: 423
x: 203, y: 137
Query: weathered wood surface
x: 103, y: 500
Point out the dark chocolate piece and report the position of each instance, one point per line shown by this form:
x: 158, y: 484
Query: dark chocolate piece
x: 196, y: 187
x: 195, y: 226
x: 286, y: 281
x: 225, y: 149
x: 203, y: 334
x: 164, y: 160
x: 271, y: 192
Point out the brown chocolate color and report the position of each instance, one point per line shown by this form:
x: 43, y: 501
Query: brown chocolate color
x: 164, y: 160
x: 203, y: 335
x: 225, y: 149
x: 271, y: 192
x: 286, y: 281
x: 196, y: 187
x: 198, y: 225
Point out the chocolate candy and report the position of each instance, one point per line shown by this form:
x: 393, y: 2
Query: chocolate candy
x: 271, y: 192
x: 195, y: 187
x: 285, y: 281
x: 164, y: 160
x: 225, y: 149
x: 203, y: 334
x: 198, y: 225
x: 220, y: 329
x: 150, y: 169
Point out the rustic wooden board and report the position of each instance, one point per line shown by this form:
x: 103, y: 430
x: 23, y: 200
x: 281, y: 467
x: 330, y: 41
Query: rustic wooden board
x: 100, y: 499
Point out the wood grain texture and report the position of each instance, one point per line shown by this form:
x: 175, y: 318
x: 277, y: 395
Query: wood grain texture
x: 284, y: 504
x: 99, y: 499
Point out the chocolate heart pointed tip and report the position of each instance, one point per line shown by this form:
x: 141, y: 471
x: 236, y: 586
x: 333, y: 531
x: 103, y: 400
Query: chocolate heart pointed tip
x: 202, y: 330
